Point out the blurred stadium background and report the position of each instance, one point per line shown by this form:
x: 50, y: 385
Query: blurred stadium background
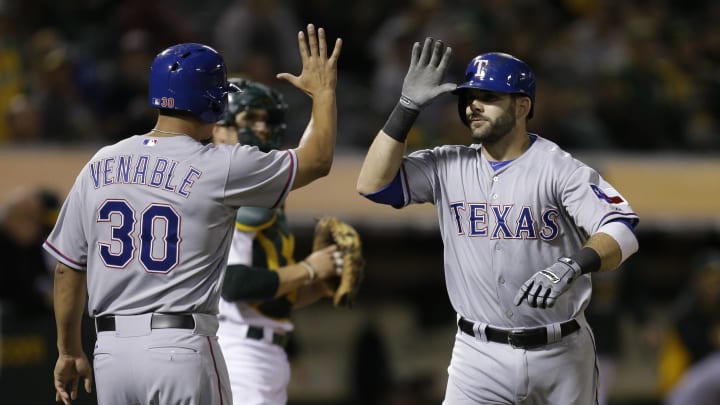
x: 630, y: 87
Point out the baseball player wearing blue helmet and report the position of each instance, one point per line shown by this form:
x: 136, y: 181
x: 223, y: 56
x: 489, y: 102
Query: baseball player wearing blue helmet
x: 190, y: 77
x: 523, y: 225
x: 147, y: 226
x: 498, y: 72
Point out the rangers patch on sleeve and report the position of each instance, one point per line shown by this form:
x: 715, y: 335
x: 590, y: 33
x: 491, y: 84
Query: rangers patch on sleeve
x: 609, y: 194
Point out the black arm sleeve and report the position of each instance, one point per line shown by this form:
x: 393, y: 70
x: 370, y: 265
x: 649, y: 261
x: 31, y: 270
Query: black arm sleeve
x: 249, y: 283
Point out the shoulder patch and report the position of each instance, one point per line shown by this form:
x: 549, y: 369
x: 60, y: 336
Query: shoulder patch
x: 254, y: 218
x: 609, y: 194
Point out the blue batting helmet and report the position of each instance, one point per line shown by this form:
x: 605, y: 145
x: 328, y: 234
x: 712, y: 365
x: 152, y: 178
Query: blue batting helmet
x: 190, y: 77
x: 499, y: 72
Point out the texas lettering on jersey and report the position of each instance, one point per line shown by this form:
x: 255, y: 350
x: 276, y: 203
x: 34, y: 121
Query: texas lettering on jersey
x: 504, y: 221
x: 157, y: 172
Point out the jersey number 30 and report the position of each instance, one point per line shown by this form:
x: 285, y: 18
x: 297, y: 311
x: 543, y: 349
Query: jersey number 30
x: 158, y: 253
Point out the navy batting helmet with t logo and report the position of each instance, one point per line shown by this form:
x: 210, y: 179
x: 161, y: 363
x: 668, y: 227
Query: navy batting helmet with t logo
x: 190, y: 77
x: 499, y: 72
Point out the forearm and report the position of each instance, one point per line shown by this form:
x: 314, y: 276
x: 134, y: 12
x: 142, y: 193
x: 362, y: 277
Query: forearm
x: 607, y: 249
x: 316, y: 148
x: 614, y: 242
x: 245, y: 283
x: 309, y: 294
x: 422, y: 84
x: 381, y: 164
x: 69, y: 303
x: 293, y: 277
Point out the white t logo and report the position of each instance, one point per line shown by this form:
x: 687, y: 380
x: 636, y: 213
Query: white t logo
x: 481, y: 68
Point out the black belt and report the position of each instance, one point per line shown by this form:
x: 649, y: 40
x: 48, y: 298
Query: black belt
x: 158, y: 321
x: 257, y: 333
x: 520, y: 338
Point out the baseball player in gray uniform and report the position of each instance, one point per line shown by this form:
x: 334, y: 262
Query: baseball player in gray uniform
x: 263, y: 282
x: 148, y: 225
x: 523, y: 224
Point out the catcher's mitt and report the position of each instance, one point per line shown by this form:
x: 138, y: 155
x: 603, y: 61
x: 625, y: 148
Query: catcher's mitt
x: 330, y: 230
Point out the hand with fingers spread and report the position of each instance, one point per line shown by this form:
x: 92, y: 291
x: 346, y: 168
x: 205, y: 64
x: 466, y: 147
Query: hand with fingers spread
x: 69, y: 370
x: 423, y: 81
x: 544, y: 287
x: 422, y: 85
x: 318, y: 79
x: 319, y: 72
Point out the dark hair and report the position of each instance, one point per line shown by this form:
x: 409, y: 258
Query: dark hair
x: 176, y: 113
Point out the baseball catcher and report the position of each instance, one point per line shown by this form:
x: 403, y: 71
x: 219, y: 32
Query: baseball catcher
x: 264, y: 284
x: 330, y: 230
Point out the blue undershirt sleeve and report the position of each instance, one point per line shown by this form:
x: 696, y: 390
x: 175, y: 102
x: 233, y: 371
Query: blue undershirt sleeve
x: 392, y: 194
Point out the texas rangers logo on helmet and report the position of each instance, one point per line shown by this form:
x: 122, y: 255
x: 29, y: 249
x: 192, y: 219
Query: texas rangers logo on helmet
x: 481, y: 68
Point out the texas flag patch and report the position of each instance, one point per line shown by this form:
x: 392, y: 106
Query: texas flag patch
x: 150, y: 142
x: 609, y: 194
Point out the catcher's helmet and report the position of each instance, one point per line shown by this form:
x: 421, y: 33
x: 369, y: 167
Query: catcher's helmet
x: 499, y: 72
x: 254, y: 95
x: 190, y: 77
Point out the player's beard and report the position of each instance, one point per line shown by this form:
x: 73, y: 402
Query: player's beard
x: 495, y: 130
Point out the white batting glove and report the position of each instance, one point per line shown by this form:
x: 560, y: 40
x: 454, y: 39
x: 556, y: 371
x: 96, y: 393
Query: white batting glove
x: 545, y: 286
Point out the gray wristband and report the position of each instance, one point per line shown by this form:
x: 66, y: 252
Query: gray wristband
x: 400, y: 121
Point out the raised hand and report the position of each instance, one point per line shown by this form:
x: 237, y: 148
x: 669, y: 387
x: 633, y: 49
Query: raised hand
x: 319, y: 72
x: 428, y: 65
x: 544, y: 287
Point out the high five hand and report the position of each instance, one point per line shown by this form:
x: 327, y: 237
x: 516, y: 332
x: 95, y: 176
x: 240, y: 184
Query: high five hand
x: 319, y: 72
x: 422, y: 82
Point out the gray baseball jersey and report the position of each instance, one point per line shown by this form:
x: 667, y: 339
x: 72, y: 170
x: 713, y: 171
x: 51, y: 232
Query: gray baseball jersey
x: 151, y: 219
x: 501, y: 226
